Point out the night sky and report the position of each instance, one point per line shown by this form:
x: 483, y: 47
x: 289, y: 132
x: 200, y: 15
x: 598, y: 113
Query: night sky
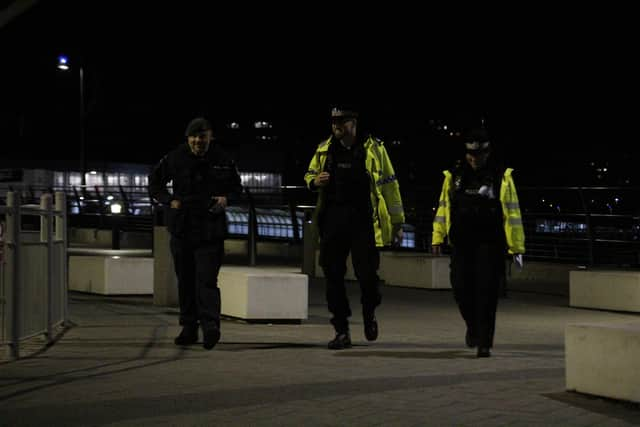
x: 552, y: 105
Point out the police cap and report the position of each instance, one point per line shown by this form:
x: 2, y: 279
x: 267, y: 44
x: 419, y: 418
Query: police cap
x: 344, y: 111
x: 476, y: 140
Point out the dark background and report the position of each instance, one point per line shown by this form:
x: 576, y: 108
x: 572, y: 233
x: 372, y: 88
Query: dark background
x: 558, y: 91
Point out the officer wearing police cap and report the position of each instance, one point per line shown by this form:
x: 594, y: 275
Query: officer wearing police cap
x: 479, y: 215
x: 359, y: 209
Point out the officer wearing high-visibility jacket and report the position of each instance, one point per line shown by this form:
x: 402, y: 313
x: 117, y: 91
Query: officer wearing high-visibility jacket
x: 359, y: 209
x: 479, y: 213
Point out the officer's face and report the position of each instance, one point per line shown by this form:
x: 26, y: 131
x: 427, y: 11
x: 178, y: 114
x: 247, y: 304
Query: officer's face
x: 477, y: 159
x: 343, y: 127
x: 199, y: 143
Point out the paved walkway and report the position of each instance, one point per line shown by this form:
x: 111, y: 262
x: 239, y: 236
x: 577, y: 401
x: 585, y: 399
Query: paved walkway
x: 118, y: 366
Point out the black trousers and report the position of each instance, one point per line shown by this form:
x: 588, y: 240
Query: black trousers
x: 197, y: 264
x: 475, y: 278
x: 345, y: 229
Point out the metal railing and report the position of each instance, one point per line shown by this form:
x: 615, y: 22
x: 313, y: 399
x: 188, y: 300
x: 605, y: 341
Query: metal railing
x: 583, y: 225
x: 266, y: 214
x: 591, y: 226
x: 94, y: 199
x: 33, y: 271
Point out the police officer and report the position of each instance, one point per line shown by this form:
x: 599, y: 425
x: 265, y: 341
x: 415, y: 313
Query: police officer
x: 480, y: 214
x: 359, y: 209
x: 203, y: 176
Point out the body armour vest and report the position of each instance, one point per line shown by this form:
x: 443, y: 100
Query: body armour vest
x: 350, y: 182
x: 476, y: 211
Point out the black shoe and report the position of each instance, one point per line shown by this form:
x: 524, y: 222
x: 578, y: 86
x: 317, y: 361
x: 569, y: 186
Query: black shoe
x: 340, y: 342
x: 371, y: 328
x: 469, y: 340
x: 483, y: 352
x: 188, y: 336
x: 210, y: 337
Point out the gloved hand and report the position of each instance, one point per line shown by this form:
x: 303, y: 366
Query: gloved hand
x: 518, y: 261
x: 396, y: 235
x: 322, y: 179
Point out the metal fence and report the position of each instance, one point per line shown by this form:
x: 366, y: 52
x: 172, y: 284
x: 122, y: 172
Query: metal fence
x: 93, y: 199
x: 33, y: 270
x: 584, y: 225
x: 581, y: 225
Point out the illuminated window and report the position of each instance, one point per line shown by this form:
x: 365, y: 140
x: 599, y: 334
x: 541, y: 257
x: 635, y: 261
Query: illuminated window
x: 58, y: 179
x: 75, y: 178
x: 139, y: 180
x: 112, y: 179
x: 93, y: 179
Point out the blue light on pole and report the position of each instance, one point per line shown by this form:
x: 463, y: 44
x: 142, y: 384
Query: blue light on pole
x: 63, y: 64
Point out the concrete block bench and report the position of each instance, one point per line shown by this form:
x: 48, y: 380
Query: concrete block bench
x: 263, y: 293
x: 111, y: 274
x: 415, y: 270
x: 603, y: 359
x: 409, y: 269
x: 605, y: 289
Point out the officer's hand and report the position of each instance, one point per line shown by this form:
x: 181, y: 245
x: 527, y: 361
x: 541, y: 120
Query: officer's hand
x: 436, y: 250
x: 518, y: 261
x: 176, y: 204
x: 322, y: 179
x: 221, y: 201
x: 397, y: 235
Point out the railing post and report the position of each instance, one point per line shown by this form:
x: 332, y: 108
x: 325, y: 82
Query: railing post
x: 587, y: 215
x: 61, y: 238
x: 46, y: 236
x: 252, y: 232
x: 78, y: 200
x: 13, y: 245
x: 102, y: 207
x: 294, y: 220
x: 125, y: 201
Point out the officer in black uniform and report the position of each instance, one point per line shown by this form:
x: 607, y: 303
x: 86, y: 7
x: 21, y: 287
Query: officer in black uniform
x: 203, y: 176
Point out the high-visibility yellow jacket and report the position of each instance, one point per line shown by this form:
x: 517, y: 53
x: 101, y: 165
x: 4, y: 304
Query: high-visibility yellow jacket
x: 385, y: 190
x: 512, y: 220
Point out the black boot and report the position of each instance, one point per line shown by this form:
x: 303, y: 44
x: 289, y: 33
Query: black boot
x: 484, y: 352
x: 370, y: 328
x: 210, y: 336
x: 469, y: 339
x: 341, y: 341
x: 188, y: 336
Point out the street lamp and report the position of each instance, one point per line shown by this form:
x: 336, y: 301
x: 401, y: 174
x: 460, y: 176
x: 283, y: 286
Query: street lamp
x: 116, y: 208
x: 63, y: 64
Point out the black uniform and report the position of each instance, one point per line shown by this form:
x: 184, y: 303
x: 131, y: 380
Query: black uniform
x: 346, y: 225
x: 478, y: 244
x: 197, y: 229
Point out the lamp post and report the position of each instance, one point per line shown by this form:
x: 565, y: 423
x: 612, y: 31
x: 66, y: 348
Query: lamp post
x: 63, y: 64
